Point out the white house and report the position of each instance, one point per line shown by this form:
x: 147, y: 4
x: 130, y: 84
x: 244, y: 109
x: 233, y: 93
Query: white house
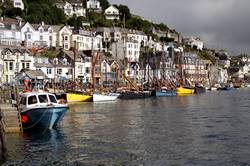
x: 86, y: 40
x: 14, y: 59
x: 71, y: 8
x: 37, y: 35
x: 111, y: 72
x: 10, y: 33
x: 133, y: 73
x: 43, y: 64
x: 53, y: 32
x: 194, y: 43
x: 93, y: 5
x: 112, y: 13
x: 64, y: 37
x: 18, y: 4
x: 129, y: 49
x: 138, y: 36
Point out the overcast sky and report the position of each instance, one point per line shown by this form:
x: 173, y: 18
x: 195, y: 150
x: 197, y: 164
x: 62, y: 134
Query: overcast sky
x: 220, y: 23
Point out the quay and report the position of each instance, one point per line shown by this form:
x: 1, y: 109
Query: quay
x: 10, y: 120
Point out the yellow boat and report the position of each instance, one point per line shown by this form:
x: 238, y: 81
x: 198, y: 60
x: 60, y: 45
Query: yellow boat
x: 74, y: 97
x: 183, y: 90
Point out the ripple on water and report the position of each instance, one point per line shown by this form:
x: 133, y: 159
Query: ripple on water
x: 210, y: 129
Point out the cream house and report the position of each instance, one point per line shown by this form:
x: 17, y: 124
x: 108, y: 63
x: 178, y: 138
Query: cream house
x: 14, y: 59
x: 86, y: 40
x: 72, y: 8
x: 18, y: 4
x: 93, y: 5
x: 112, y: 13
x: 10, y: 33
x: 64, y: 37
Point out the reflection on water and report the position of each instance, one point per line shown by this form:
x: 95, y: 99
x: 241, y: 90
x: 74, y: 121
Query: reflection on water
x: 207, y: 129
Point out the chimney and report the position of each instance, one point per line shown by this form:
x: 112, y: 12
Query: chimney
x: 42, y: 23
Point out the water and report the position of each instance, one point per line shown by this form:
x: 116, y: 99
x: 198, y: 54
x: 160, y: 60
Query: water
x: 208, y: 129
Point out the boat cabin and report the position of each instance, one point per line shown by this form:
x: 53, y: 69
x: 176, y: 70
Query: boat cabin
x: 29, y: 100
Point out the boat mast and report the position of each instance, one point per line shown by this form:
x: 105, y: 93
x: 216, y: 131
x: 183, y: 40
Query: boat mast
x: 74, y: 63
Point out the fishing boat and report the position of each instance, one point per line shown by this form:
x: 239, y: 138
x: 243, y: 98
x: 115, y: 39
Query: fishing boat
x: 41, y: 110
x: 98, y: 97
x: 198, y: 89
x: 78, y: 97
x: 165, y: 92
x: 184, y: 90
x: 126, y: 95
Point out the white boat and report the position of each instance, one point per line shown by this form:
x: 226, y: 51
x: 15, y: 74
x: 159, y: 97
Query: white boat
x: 97, y: 97
x: 41, y: 110
x: 213, y: 88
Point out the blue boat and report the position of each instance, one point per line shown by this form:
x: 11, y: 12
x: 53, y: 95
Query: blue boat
x: 41, y: 110
x: 165, y: 93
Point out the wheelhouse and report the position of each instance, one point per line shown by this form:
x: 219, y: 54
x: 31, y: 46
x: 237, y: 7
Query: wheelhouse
x: 38, y: 99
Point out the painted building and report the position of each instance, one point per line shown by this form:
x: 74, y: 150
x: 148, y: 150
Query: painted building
x: 112, y: 13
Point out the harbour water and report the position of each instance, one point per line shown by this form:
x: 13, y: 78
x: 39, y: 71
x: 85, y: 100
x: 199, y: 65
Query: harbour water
x: 207, y: 129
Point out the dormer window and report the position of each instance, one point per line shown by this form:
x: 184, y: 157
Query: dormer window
x: 55, y: 61
x: 41, y: 30
x: 65, y: 62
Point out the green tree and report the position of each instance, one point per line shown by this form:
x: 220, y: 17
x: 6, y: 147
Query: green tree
x: 124, y: 11
x: 104, y: 4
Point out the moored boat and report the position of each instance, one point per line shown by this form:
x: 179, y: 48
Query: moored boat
x: 184, y: 90
x: 126, y: 95
x: 165, y: 92
x: 199, y: 89
x: 41, y: 110
x: 78, y: 97
x: 97, y: 97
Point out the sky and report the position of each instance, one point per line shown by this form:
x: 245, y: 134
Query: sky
x: 221, y: 24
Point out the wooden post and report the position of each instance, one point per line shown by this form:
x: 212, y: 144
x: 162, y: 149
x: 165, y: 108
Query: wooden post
x: 18, y: 108
x: 3, y: 149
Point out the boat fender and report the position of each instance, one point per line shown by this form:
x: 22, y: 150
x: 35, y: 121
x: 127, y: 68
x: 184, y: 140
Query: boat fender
x: 24, y: 118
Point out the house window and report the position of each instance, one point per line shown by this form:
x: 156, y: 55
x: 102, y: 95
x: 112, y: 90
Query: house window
x: 6, y: 66
x: 23, y: 65
x: 66, y: 46
x: 135, y: 53
x: 65, y: 61
x: 29, y: 36
x: 44, y: 60
x: 66, y: 38
x: 50, y: 38
x: 17, y: 3
x: 41, y: 30
x: 80, y: 69
x: 49, y: 71
x: 27, y: 65
x: 87, y: 70
x: 59, y: 71
x: 13, y: 34
x: 41, y: 38
x: 11, y: 67
x: 28, y: 29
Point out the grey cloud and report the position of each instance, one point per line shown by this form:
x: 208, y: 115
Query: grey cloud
x: 220, y: 23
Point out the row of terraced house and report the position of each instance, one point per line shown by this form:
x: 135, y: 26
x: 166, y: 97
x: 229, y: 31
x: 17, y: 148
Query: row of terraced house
x: 115, y: 52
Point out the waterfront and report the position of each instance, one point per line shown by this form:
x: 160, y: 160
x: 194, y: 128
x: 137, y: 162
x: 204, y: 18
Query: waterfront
x: 207, y: 129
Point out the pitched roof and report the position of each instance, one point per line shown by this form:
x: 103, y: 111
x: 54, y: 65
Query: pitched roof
x: 33, y: 74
